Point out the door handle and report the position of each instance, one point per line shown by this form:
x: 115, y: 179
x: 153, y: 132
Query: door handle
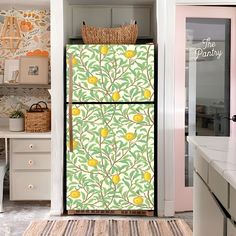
x: 233, y: 118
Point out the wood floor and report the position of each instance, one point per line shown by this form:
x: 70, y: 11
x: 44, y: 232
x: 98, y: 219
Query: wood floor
x: 18, y: 215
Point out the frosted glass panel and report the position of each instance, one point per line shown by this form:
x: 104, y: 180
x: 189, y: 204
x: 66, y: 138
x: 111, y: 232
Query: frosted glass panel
x: 207, y: 78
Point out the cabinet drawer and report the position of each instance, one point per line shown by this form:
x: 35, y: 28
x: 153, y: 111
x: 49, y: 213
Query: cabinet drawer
x: 231, y: 228
x: 31, y: 145
x: 218, y: 186
x: 30, y: 185
x: 232, y: 207
x: 29, y: 161
x: 201, y: 166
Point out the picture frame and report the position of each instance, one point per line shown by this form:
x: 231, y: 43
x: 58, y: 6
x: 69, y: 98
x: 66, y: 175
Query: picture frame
x: 11, y: 71
x: 33, y: 70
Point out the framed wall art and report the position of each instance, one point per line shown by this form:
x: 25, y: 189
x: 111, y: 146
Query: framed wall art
x: 11, y: 71
x: 33, y: 70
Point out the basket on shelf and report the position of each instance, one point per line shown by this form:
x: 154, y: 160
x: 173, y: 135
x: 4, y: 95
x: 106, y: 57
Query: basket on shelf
x: 38, y: 118
x: 126, y: 34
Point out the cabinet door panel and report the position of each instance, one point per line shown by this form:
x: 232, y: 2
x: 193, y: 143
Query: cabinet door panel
x: 123, y: 15
x: 95, y: 16
x: 112, y: 163
x: 208, y: 217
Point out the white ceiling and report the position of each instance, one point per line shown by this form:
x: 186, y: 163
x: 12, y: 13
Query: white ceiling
x: 110, y: 2
x: 25, y: 3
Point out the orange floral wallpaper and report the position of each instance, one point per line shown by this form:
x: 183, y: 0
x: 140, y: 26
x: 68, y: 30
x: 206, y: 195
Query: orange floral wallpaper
x: 35, y: 29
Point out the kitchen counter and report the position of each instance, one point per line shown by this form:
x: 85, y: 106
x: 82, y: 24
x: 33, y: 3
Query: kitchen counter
x: 219, y: 153
x: 214, y: 205
x: 5, y: 133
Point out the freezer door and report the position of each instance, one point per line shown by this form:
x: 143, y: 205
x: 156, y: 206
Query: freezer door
x: 110, y: 73
x: 111, y: 166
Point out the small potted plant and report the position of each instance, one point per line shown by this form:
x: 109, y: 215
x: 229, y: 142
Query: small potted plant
x: 16, y: 121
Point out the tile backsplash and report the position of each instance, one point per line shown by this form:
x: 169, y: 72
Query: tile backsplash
x: 11, y: 97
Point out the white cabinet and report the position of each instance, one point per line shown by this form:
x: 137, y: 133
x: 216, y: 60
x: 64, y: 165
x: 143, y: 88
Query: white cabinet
x: 231, y: 228
x: 112, y: 16
x: 30, y: 174
x: 95, y: 16
x: 208, y: 217
x: 142, y: 15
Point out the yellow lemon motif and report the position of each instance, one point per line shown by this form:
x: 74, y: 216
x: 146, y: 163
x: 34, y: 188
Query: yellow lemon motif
x: 130, y: 136
x: 138, y: 118
x: 115, y: 179
x: 92, y: 162
x: 138, y: 200
x: 104, y: 132
x: 92, y: 80
x: 147, y: 176
x: 75, y: 111
x: 74, y: 61
x: 104, y: 50
x: 75, y: 144
x: 147, y: 93
x: 75, y: 194
x: 129, y: 53
x: 116, y: 96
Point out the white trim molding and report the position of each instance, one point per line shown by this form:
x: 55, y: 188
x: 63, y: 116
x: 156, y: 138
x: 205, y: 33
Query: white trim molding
x: 166, y: 42
x: 206, y: 2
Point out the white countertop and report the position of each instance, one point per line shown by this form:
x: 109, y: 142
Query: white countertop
x: 5, y: 133
x: 220, y: 153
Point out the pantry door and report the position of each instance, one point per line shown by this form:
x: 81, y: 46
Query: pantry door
x: 205, y: 70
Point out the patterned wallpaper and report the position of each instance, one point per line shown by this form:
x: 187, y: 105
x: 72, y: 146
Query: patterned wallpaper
x: 35, y: 30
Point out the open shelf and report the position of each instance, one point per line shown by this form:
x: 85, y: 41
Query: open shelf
x: 46, y: 86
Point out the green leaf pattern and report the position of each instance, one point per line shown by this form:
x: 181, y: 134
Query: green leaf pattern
x: 106, y: 73
x: 112, y: 164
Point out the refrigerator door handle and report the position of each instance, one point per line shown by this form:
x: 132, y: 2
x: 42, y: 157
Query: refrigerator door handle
x: 70, y: 102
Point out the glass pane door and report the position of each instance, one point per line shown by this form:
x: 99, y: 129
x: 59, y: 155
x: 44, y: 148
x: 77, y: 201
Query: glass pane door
x: 207, y: 80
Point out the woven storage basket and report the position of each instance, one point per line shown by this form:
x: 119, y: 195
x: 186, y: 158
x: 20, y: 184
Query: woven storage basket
x: 126, y: 34
x: 38, y: 118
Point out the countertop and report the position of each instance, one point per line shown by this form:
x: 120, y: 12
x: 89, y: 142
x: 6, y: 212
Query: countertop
x: 220, y: 153
x: 5, y: 133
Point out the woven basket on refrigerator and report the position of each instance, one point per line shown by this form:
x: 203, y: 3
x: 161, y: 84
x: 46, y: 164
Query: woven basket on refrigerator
x: 38, y: 118
x: 126, y: 34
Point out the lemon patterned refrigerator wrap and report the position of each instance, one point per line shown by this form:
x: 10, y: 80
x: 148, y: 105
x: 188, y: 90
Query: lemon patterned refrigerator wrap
x: 111, y: 166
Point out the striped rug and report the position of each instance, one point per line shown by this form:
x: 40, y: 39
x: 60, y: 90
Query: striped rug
x: 160, y: 227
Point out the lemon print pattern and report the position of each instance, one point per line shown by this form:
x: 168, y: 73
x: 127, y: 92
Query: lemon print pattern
x: 138, y: 118
x: 104, y: 49
x: 147, y: 93
x: 75, y: 194
x: 92, y: 80
x: 129, y: 53
x: 138, y: 200
x: 112, y: 73
x: 116, y: 96
x: 147, y: 176
x: 74, y: 144
x: 115, y: 179
x: 92, y: 162
x: 75, y: 111
x: 104, y: 132
x: 129, y: 136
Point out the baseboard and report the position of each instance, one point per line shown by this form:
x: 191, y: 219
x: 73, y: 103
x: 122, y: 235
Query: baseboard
x: 169, y: 208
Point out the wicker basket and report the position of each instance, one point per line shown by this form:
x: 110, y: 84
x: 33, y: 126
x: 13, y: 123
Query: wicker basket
x: 38, y: 118
x: 126, y: 34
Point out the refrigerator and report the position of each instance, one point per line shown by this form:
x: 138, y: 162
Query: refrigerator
x: 110, y: 129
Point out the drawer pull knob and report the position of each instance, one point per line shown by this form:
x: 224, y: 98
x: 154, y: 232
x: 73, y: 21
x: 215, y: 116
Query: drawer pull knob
x: 30, y: 162
x: 31, y: 146
x: 30, y: 186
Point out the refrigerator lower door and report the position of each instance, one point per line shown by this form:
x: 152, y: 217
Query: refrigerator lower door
x: 111, y: 164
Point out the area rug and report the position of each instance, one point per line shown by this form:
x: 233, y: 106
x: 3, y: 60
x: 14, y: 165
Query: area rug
x: 160, y: 227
